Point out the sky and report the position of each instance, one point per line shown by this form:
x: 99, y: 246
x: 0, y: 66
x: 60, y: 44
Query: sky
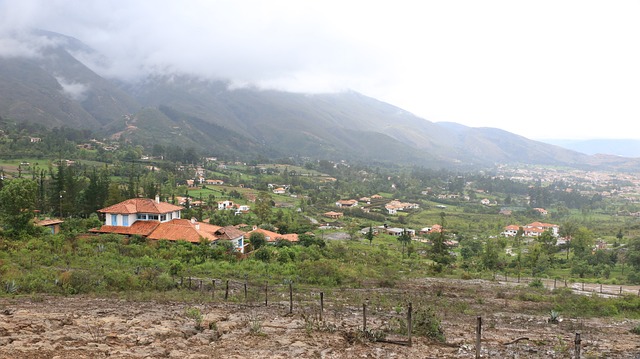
x: 541, y: 69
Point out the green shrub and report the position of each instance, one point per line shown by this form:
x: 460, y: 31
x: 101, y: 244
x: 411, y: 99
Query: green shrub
x: 323, y: 272
x: 536, y: 283
x: 426, y: 323
x: 531, y: 297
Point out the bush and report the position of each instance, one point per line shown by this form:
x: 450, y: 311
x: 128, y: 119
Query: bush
x: 323, y: 272
x: 536, y: 283
x: 263, y: 254
x: 531, y: 297
x: 426, y: 323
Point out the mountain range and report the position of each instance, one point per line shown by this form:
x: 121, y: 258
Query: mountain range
x: 54, y: 87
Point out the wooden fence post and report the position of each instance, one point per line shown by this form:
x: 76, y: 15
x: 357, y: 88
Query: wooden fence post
x: 266, y: 293
x: 600, y: 287
x: 290, y: 298
x: 213, y: 288
x: 189, y: 282
x: 364, y: 317
x: 577, y: 342
x: 554, y: 282
x: 478, y: 337
x: 322, y: 305
x: 226, y: 290
x: 245, y: 291
x: 409, y: 322
x: 583, y: 286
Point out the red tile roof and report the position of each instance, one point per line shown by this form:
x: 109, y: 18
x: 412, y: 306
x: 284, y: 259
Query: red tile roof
x: 141, y: 228
x: 273, y: 236
x: 141, y: 205
x: 229, y: 232
x: 184, y: 229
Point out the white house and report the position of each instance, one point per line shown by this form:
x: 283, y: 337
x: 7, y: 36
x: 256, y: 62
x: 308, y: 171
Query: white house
x: 139, y: 209
x: 225, y: 205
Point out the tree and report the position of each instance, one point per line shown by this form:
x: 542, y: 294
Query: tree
x: 619, y: 237
x: 633, y: 253
x: 17, y: 205
x: 548, y: 242
x: 439, y: 249
x: 95, y: 195
x: 469, y: 250
x: 352, y: 229
x: 582, y: 242
x: 257, y: 240
x: 568, y: 230
x: 404, y: 239
x: 491, y: 255
x: 263, y: 206
x: 369, y: 235
x: 537, y: 259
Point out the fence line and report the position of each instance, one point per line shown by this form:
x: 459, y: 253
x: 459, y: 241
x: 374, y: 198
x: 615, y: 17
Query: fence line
x: 581, y: 287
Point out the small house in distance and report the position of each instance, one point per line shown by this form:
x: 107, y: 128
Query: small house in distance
x: 52, y: 225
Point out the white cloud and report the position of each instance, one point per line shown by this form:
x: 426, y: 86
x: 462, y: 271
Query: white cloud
x: 554, y: 69
x: 73, y: 90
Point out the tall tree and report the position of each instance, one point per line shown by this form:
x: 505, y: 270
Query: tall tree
x: 96, y: 193
x: 56, y: 190
x: 568, y: 230
x: 582, y: 242
x: 439, y: 249
x: 263, y: 207
x: 404, y: 239
x: 17, y: 205
x: 369, y: 235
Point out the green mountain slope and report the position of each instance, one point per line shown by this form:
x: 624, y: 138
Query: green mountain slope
x: 55, y: 88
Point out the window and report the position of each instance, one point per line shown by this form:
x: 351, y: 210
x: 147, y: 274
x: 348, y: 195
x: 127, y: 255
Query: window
x: 125, y: 221
x: 141, y: 217
x: 163, y: 217
x: 114, y: 219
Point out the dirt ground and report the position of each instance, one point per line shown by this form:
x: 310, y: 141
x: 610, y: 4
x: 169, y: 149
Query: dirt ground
x: 88, y: 327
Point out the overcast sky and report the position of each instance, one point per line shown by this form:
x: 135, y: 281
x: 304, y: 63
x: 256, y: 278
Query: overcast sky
x: 541, y: 69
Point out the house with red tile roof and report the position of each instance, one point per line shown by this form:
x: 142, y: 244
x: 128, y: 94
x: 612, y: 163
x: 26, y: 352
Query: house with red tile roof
x: 333, y: 215
x: 273, y: 237
x: 130, y: 211
x: 346, y: 203
x: 161, y: 221
x: 511, y: 230
x: 534, y: 229
x: 542, y: 211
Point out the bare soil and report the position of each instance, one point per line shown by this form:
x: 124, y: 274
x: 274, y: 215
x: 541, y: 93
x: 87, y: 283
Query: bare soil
x: 89, y: 327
